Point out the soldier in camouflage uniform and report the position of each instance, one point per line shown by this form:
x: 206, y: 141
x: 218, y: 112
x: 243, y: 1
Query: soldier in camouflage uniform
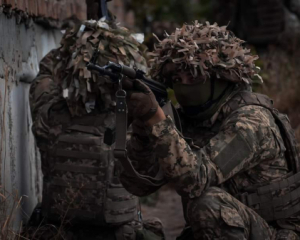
x: 233, y: 143
x: 74, y: 122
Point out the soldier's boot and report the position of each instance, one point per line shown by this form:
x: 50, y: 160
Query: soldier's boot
x: 218, y: 215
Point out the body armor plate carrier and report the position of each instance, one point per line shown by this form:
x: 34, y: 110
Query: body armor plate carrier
x: 82, y: 181
x: 277, y: 200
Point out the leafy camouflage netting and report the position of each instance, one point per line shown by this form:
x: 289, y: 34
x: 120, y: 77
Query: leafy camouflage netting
x: 78, y: 44
x: 205, y: 49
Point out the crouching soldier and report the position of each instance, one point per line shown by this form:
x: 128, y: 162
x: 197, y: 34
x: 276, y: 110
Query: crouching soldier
x: 235, y: 164
x: 73, y: 122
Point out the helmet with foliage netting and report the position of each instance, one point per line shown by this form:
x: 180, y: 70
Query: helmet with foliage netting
x: 81, y: 87
x: 207, y: 50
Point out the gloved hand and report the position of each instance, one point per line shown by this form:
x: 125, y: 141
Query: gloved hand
x: 141, y: 101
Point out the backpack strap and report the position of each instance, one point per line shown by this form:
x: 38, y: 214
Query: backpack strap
x: 120, y: 152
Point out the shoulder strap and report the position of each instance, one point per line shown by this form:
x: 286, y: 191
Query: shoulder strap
x: 120, y: 147
x: 282, y: 121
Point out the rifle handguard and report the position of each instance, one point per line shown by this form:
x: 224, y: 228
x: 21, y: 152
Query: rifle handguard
x: 102, y: 71
x: 157, y: 88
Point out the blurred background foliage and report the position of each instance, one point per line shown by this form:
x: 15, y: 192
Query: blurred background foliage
x: 158, y: 16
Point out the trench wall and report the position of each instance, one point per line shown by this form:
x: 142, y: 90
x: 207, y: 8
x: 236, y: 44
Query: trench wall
x: 21, y: 48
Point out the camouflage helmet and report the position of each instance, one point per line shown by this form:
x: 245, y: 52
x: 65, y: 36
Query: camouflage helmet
x: 206, y: 50
x: 78, y: 44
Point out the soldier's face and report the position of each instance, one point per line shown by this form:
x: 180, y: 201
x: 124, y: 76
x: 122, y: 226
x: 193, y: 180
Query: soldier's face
x: 174, y: 75
x: 189, y: 90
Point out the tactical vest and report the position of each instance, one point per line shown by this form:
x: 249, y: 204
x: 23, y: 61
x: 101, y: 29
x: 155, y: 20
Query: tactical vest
x: 280, y: 199
x: 81, y: 183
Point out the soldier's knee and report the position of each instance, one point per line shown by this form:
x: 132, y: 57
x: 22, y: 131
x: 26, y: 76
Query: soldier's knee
x: 217, y: 213
x: 214, y: 214
x: 207, y: 207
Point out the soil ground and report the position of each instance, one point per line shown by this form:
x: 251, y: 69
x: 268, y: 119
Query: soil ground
x: 169, y: 210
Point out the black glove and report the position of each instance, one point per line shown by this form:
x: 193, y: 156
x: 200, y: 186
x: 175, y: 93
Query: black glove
x: 141, y: 101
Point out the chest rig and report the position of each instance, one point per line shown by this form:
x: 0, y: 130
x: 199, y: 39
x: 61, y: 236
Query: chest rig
x: 81, y: 182
x: 277, y: 200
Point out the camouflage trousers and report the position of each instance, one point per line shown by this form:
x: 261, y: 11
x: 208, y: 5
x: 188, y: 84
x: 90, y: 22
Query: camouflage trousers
x: 218, y: 215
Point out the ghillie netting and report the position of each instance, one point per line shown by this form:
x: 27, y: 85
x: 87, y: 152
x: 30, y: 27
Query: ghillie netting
x: 115, y: 43
x: 206, y: 50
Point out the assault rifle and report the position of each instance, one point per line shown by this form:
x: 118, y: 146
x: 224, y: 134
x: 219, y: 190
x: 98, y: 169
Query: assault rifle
x: 115, y: 72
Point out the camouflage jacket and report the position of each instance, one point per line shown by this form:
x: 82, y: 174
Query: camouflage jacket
x: 65, y: 89
x: 236, y: 150
x: 46, y: 98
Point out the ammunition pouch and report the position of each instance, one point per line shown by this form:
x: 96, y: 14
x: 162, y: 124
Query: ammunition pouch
x: 278, y: 200
x: 81, y: 176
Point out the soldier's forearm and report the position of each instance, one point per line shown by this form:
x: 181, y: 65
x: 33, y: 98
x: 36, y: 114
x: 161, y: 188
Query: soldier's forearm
x: 179, y: 163
x: 140, y: 149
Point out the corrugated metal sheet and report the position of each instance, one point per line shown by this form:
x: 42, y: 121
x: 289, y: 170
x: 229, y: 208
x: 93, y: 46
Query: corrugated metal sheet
x: 20, y: 167
x: 55, y: 9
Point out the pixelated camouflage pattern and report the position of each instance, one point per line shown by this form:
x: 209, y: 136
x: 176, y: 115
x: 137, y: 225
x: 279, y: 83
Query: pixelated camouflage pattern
x: 237, y: 150
x: 216, y: 214
x: 253, y: 125
x: 72, y: 108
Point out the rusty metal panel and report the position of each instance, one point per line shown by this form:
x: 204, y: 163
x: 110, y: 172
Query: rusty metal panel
x: 48, y: 8
x: 67, y: 10
x: 32, y: 7
x: 26, y: 5
x: 41, y: 8
x: 21, y: 5
x: 10, y: 2
x: 55, y: 9
x: 81, y: 9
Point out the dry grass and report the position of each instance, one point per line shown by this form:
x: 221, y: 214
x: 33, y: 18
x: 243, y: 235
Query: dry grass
x: 9, y: 206
x: 60, y: 231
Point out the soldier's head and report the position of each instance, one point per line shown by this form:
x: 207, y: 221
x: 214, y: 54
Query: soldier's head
x: 202, y: 62
x: 115, y: 43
